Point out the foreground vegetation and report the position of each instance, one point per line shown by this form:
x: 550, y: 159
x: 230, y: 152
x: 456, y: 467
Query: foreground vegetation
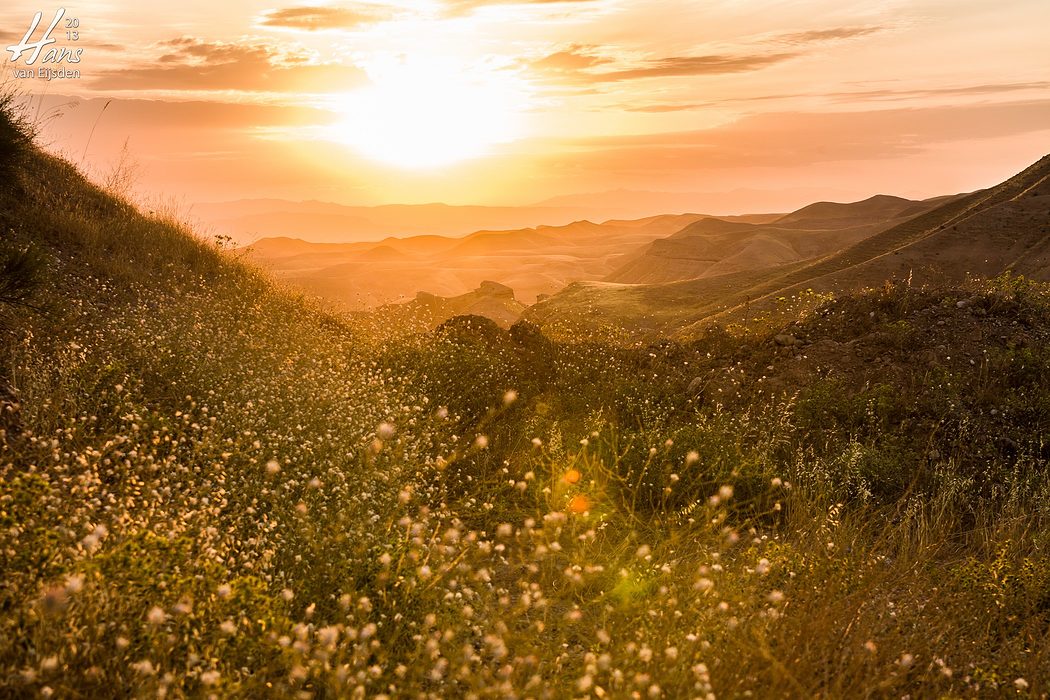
x: 208, y: 486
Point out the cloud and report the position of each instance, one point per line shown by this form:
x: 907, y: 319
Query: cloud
x: 848, y: 96
x: 578, y: 62
x: 456, y: 7
x: 663, y: 108
x: 795, y: 139
x: 577, y: 57
x: 833, y: 34
x: 582, y: 64
x: 676, y: 66
x: 961, y: 91
x: 318, y: 18
x: 189, y: 63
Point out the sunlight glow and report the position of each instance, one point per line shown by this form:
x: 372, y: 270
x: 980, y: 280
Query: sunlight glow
x: 423, y: 113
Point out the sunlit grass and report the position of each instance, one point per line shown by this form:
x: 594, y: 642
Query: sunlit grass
x: 208, y: 486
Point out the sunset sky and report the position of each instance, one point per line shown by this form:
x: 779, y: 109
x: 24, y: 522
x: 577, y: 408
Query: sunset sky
x: 505, y: 102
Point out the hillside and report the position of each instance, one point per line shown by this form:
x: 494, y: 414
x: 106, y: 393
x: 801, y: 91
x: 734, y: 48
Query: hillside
x: 491, y: 300
x: 1003, y: 228
x: 709, y: 247
x: 532, y: 261
x: 209, y: 487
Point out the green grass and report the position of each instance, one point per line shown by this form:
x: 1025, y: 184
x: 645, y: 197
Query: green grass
x: 207, y: 486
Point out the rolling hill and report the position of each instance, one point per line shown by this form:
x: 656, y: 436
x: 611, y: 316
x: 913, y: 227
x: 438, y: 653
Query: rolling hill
x: 532, y: 261
x: 1005, y: 228
x: 712, y: 247
x: 211, y: 488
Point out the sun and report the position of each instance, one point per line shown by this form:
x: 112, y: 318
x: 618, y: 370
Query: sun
x: 426, y: 113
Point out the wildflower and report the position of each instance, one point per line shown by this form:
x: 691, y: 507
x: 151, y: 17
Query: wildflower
x: 228, y: 627
x: 287, y: 594
x: 145, y: 667
x: 1020, y: 683
x: 210, y: 677
x: 74, y: 583
x: 49, y: 664
x: 156, y: 615
x: 905, y: 660
x: 481, y: 442
x: 385, y: 431
x: 536, y: 442
x: 579, y: 504
x: 328, y: 636
x: 692, y: 457
x: 775, y: 597
x: 272, y: 467
x: 224, y: 591
x: 571, y: 476
x: 510, y: 397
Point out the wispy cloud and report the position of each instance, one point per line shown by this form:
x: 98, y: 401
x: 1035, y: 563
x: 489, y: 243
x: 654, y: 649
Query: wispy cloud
x: 581, y: 64
x: 714, y: 64
x: 850, y: 96
x: 326, y: 17
x: 461, y: 6
x: 795, y: 139
x: 587, y: 64
x: 189, y: 63
x: 832, y: 34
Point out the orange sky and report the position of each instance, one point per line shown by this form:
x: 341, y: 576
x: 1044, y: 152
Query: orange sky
x: 514, y: 102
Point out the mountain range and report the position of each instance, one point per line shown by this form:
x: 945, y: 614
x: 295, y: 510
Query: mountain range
x: 1002, y: 229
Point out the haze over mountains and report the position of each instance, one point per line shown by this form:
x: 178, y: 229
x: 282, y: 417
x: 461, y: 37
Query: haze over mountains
x: 712, y: 247
x: 532, y: 261
x: 665, y: 274
x: 1005, y: 228
x: 248, y: 220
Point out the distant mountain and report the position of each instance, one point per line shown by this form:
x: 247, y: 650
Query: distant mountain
x: 533, y: 261
x: 712, y: 247
x: 326, y: 222
x: 1003, y: 228
x: 492, y: 300
x: 636, y: 203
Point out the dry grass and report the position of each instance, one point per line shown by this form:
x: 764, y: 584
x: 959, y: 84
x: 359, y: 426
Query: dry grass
x: 208, y: 487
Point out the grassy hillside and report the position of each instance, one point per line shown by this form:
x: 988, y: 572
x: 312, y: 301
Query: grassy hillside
x: 1005, y: 228
x: 209, y: 487
x: 710, y: 247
